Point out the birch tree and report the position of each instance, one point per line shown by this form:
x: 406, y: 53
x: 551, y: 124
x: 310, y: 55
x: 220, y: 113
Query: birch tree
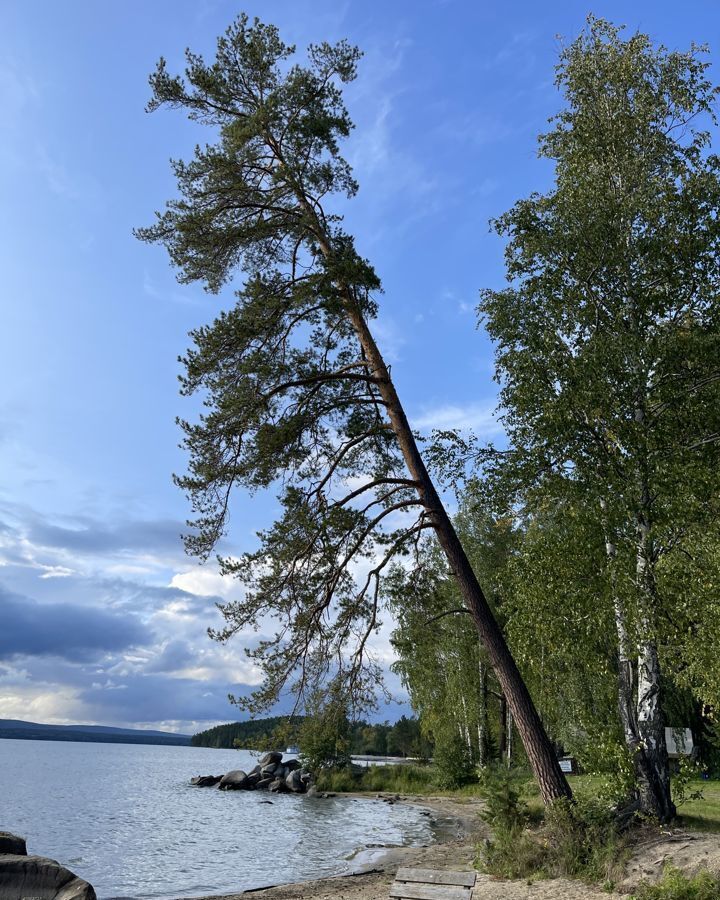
x: 607, y: 338
x: 297, y: 393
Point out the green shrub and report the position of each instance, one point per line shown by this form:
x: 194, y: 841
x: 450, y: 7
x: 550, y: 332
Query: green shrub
x: 676, y: 886
x: 338, y: 780
x: 576, y: 840
x: 512, y: 852
x: 583, y: 841
x: 324, y: 737
x: 505, y: 810
x: 688, y: 772
x: 453, y: 766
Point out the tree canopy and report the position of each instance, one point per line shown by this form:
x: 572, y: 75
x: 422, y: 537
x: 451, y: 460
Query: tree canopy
x: 607, y: 340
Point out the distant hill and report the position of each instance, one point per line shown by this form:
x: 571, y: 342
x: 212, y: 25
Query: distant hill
x: 105, y: 734
x: 249, y: 734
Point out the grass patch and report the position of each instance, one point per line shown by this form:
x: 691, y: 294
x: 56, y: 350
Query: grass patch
x: 704, y: 814
x: 676, y: 886
x: 398, y: 779
x: 698, y: 815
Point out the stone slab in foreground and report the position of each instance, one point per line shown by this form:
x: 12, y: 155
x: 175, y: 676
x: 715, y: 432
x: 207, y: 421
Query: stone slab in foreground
x: 36, y: 877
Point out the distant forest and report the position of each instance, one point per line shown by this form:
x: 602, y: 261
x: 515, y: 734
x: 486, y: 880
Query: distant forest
x: 264, y: 732
x: 14, y: 729
x: 278, y: 732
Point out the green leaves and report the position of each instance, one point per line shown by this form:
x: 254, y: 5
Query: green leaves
x: 607, y: 348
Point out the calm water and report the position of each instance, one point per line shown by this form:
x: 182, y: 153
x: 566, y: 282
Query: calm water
x: 126, y: 818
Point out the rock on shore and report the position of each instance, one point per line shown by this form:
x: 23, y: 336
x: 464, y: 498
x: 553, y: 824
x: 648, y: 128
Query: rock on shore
x: 36, y: 876
x: 271, y: 773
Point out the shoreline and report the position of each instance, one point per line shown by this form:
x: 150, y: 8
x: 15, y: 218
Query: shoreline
x: 457, y: 829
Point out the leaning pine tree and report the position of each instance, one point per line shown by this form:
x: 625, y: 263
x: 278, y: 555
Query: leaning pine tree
x: 296, y: 389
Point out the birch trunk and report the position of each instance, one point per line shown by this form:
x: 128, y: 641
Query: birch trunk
x: 625, y: 663
x: 482, y: 716
x: 654, y: 774
x: 641, y: 719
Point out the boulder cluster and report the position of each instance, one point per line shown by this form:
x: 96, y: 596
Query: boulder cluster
x: 270, y: 774
x: 23, y: 876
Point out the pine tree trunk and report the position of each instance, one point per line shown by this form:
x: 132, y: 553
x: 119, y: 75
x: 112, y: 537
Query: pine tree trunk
x: 541, y: 755
x: 543, y: 761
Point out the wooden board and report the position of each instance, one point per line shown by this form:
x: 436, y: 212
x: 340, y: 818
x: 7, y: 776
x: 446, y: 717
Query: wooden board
x: 436, y: 876
x: 413, y: 891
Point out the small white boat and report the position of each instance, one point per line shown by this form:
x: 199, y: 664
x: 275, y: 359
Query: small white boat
x: 292, y: 750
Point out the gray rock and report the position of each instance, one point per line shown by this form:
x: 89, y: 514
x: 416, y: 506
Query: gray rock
x: 294, y: 782
x: 206, y: 780
x: 269, y: 769
x: 312, y: 791
x: 233, y: 781
x: 277, y: 786
x: 265, y: 782
x: 41, y: 879
x: 255, y: 771
x: 11, y: 843
x: 271, y: 758
x: 292, y: 764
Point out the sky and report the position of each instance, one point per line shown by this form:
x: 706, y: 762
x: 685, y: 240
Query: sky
x: 103, y: 618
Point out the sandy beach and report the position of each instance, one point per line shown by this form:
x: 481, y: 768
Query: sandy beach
x: 459, y: 831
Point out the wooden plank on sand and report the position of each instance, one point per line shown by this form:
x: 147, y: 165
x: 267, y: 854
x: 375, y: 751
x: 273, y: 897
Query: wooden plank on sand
x: 410, y: 891
x: 436, y: 876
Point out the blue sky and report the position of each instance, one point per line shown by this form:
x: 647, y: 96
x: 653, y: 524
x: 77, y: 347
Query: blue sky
x: 103, y: 617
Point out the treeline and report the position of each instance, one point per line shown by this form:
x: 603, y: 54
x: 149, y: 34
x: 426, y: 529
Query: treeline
x: 264, y: 732
x: 404, y: 738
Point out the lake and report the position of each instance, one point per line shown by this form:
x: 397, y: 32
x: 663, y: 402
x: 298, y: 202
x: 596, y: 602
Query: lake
x: 126, y: 818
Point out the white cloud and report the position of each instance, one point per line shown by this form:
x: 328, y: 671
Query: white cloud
x: 56, y: 572
x: 205, y: 582
x: 56, y: 705
x: 476, y: 417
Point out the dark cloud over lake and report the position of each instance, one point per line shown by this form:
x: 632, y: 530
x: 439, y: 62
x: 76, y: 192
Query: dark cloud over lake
x: 76, y: 633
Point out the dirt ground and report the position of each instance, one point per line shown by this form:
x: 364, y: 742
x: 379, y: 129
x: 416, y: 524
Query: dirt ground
x: 460, y: 831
